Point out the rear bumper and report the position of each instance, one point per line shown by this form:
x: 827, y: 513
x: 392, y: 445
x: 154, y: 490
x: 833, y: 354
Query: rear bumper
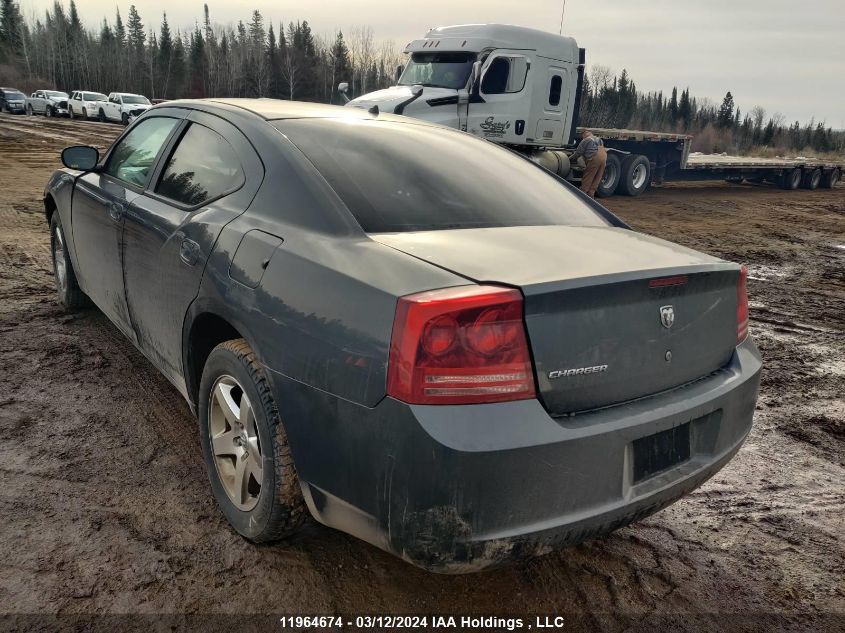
x: 459, y: 488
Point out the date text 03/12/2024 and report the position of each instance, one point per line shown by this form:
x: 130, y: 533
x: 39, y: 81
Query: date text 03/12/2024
x: 422, y: 622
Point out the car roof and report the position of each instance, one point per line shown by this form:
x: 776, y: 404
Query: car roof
x: 274, y: 109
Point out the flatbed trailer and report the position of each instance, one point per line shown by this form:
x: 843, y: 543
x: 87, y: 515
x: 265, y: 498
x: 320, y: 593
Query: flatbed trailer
x: 669, y: 157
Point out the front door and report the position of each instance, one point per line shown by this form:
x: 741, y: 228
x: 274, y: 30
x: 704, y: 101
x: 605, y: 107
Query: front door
x: 500, y: 104
x: 100, y: 201
x: 209, y: 177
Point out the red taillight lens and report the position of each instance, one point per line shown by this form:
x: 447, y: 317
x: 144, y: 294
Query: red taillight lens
x: 742, y: 306
x: 459, y: 346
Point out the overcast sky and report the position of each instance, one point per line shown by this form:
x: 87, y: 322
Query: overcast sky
x: 785, y: 55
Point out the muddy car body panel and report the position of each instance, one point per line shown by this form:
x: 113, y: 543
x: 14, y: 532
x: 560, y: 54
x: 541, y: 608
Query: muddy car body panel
x: 287, y: 255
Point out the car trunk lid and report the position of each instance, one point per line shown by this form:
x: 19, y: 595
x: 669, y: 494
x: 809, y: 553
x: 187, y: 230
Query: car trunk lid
x: 612, y: 315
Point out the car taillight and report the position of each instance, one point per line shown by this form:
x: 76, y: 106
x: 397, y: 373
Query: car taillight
x: 459, y: 346
x: 742, y: 306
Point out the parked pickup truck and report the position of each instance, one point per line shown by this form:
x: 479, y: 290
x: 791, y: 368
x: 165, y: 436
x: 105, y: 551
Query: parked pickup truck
x: 123, y: 107
x: 85, y: 104
x: 47, y: 102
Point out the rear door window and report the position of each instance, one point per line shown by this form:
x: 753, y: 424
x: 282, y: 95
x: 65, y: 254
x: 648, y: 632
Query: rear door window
x: 134, y: 156
x: 408, y: 177
x: 201, y: 168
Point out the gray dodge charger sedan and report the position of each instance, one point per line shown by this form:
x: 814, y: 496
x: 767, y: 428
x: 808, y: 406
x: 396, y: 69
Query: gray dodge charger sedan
x: 424, y: 339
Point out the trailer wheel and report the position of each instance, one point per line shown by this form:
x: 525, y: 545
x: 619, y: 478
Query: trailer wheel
x: 811, y: 178
x: 636, y: 175
x: 831, y: 178
x: 790, y: 179
x: 610, y: 178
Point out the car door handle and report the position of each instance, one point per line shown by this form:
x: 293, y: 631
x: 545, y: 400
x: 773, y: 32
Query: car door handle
x: 189, y: 251
x: 116, y: 211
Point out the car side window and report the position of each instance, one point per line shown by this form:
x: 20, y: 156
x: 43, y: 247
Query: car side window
x: 202, y: 167
x: 133, y: 157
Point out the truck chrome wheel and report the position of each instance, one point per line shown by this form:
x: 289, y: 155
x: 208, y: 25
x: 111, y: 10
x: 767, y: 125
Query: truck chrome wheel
x: 59, y: 260
x: 235, y: 443
x: 639, y: 176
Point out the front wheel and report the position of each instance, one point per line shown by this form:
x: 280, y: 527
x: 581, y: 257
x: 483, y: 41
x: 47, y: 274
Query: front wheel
x: 102, y: 116
x: 245, y: 446
x: 70, y: 294
x: 84, y: 114
x: 124, y: 118
x: 48, y: 111
x: 70, y: 113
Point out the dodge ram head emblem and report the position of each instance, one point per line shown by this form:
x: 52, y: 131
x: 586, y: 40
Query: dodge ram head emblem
x: 667, y: 316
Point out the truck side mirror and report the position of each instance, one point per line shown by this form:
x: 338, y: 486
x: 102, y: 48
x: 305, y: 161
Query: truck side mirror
x: 343, y: 88
x: 399, y: 70
x: 475, y: 77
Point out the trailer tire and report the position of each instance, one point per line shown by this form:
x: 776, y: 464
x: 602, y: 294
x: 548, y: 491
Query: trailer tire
x: 610, y: 179
x: 636, y: 175
x: 831, y: 178
x: 790, y: 179
x: 811, y: 179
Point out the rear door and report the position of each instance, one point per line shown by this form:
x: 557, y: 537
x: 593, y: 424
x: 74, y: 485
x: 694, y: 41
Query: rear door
x: 209, y: 177
x: 100, y: 200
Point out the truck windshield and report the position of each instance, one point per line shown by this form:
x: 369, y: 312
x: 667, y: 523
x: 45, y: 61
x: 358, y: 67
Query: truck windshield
x: 408, y: 177
x: 441, y: 70
x: 135, y: 99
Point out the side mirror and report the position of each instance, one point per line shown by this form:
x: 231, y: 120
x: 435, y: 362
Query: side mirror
x: 474, y: 76
x: 81, y: 157
x: 399, y: 70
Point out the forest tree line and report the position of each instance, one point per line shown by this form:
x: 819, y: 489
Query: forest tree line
x: 258, y: 58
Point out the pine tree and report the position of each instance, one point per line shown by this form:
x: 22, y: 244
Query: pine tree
x: 673, y: 106
x: 685, y: 109
x: 165, y: 56
x: 726, y: 112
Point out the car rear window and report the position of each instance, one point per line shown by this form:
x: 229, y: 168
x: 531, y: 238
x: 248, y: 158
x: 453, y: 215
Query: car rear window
x: 398, y: 177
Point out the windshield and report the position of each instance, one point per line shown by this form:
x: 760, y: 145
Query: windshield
x: 408, y: 177
x: 12, y: 94
x: 54, y: 93
x: 442, y: 70
x: 135, y: 99
x: 94, y: 96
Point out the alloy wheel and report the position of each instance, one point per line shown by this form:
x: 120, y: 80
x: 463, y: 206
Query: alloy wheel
x: 235, y: 444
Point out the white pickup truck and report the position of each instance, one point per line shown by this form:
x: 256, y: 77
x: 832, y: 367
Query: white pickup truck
x: 47, y: 102
x: 123, y: 107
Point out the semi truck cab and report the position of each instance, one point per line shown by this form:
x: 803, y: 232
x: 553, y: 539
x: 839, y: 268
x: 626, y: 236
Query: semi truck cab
x: 508, y: 84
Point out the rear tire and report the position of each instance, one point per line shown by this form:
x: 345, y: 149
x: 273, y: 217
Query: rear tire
x: 831, y: 179
x: 790, y: 179
x: 70, y: 294
x: 242, y: 435
x: 102, y: 116
x: 610, y: 178
x: 811, y: 179
x: 29, y: 110
x: 636, y: 175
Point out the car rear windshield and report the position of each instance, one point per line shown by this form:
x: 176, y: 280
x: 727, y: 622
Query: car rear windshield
x: 135, y: 99
x: 94, y: 96
x: 405, y: 177
x: 11, y: 94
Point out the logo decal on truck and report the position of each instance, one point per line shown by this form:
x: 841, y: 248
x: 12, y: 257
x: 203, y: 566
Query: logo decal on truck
x: 491, y: 127
x: 667, y: 316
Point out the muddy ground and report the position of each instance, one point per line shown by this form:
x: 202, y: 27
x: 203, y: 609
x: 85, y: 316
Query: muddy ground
x: 105, y: 507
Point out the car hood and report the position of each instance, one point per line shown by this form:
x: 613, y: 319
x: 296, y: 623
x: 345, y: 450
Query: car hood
x: 536, y: 258
x: 388, y: 98
x: 57, y: 99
